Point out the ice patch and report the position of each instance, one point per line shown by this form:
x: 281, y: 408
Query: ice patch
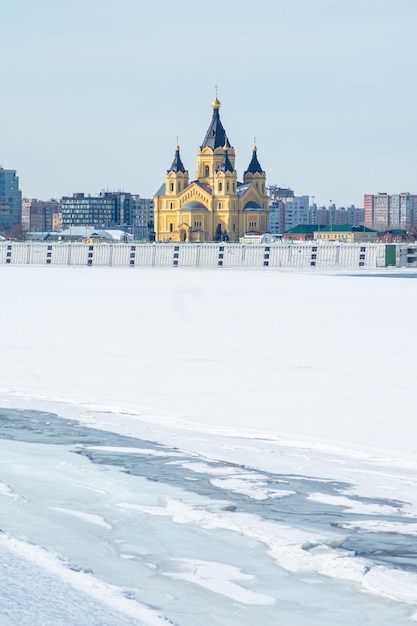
x: 285, y: 545
x: 354, y: 505
x: 125, y: 450
x: 89, y: 488
x: 205, y: 468
x: 392, y: 583
x: 252, y: 489
x: 251, y: 484
x: 373, y: 526
x: 218, y: 578
x: 85, y: 517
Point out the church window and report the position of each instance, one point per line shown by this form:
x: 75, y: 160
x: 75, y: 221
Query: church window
x: 252, y: 224
x: 197, y: 224
x: 233, y: 228
x: 171, y: 227
x: 220, y: 205
x: 171, y: 206
x: 220, y: 186
x: 171, y: 187
x: 227, y: 186
x: 207, y: 170
x: 256, y: 185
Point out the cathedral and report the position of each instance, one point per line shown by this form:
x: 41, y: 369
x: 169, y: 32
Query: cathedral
x: 215, y: 206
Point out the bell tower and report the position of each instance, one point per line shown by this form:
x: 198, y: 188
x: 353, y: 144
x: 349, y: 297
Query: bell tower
x: 177, y: 176
x: 255, y: 174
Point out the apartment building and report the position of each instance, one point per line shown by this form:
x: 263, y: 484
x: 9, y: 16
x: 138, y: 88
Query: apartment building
x: 385, y: 211
x: 10, y: 201
x: 41, y: 215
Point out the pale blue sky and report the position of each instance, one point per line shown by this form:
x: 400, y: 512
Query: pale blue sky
x: 95, y: 92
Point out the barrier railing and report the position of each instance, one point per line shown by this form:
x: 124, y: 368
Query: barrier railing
x: 226, y: 255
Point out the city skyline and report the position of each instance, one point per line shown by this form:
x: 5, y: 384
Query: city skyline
x: 98, y: 92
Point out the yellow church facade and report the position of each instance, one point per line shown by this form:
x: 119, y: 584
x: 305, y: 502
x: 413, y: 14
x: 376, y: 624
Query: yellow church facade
x: 215, y: 206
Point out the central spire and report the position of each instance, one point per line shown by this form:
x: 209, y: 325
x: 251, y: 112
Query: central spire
x: 216, y: 135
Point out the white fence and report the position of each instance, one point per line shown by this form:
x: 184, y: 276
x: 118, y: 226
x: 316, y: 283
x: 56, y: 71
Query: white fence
x: 219, y: 255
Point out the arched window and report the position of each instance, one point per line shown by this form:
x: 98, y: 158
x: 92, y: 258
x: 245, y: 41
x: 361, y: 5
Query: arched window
x: 227, y: 186
x: 220, y: 186
x: 207, y: 170
x: 171, y: 227
x: 171, y: 187
x: 171, y: 206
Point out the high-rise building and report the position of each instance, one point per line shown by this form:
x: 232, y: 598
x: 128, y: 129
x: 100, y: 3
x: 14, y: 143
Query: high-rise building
x: 40, y: 215
x: 82, y: 210
x: 215, y: 206
x: 319, y: 215
x: 384, y: 211
x: 142, y: 218
x: 122, y: 207
x: 276, y: 219
x: 278, y: 196
x: 297, y: 211
x: 110, y: 209
x: 286, y: 210
x: 332, y: 215
x: 10, y: 201
x: 356, y: 215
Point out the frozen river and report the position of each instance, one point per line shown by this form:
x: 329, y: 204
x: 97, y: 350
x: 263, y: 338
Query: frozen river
x: 199, y: 541
x: 207, y: 448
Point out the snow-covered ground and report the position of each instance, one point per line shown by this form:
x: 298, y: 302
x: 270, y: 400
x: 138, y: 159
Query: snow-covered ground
x: 274, y: 475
